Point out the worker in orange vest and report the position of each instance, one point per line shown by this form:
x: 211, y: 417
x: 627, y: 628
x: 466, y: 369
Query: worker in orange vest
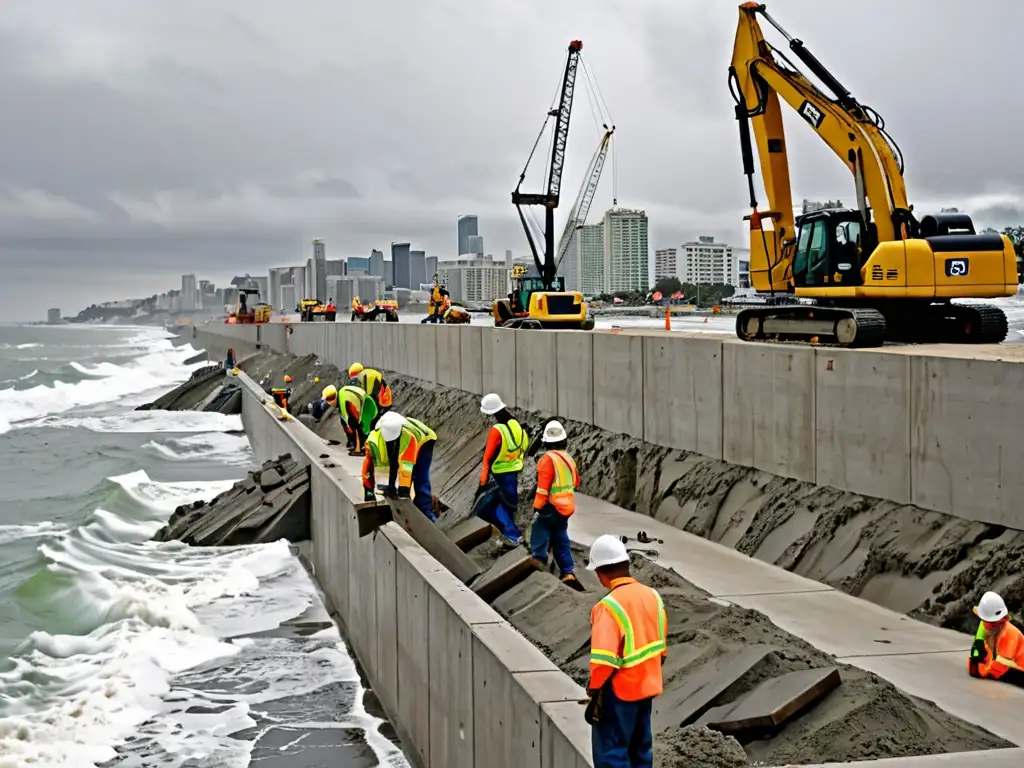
x: 372, y: 383
x: 627, y: 645
x: 998, y: 650
x: 554, y: 503
x: 281, y: 394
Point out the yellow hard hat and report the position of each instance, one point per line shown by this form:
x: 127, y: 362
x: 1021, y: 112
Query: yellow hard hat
x: 330, y: 392
x: 316, y: 379
x: 354, y: 370
x: 234, y: 371
x: 287, y: 379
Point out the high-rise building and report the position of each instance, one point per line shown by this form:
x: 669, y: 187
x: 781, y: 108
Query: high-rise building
x: 475, y: 279
x: 402, y: 265
x: 337, y: 267
x: 288, y: 299
x: 665, y: 264
x: 468, y: 226
x: 589, y: 246
x: 319, y: 284
x: 475, y: 243
x: 276, y: 279
x: 358, y: 265
x: 626, y: 252
x: 742, y: 257
x: 377, y: 264
x: 310, y: 279
x: 569, y: 266
x: 300, y: 282
x: 706, y: 262
x: 389, y: 272
x: 189, y: 293
x: 508, y: 258
x: 431, y: 267
x: 53, y: 316
x: 417, y: 269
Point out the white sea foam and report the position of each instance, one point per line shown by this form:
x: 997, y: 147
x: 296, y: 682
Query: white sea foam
x: 210, y: 446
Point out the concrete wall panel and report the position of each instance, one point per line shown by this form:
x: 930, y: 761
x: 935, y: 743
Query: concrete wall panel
x: 471, y: 359
x: 618, y: 383
x: 683, y: 393
x: 574, y: 353
x: 413, y: 635
x: 426, y: 348
x: 967, y: 439
x: 862, y: 422
x: 537, y: 370
x: 449, y: 356
x: 498, y: 346
x: 386, y: 638
x: 564, y: 735
x: 768, y: 407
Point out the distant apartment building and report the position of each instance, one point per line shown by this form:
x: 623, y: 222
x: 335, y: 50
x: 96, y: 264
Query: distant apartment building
x: 376, y: 262
x: 337, y: 267
x: 417, y: 268
x: 53, y: 316
x: 431, y: 268
x: 706, y: 262
x: 626, y: 250
x: 665, y: 264
x: 289, y: 299
x: 358, y: 265
x: 389, y: 272
x: 474, y: 279
x: 468, y: 226
x: 189, y: 294
x: 589, y: 246
x: 403, y: 266
x: 300, y: 282
x: 742, y: 258
x: 319, y: 285
x: 475, y: 244
x: 276, y: 279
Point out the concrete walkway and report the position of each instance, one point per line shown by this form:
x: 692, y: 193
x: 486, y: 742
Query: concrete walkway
x: 918, y: 658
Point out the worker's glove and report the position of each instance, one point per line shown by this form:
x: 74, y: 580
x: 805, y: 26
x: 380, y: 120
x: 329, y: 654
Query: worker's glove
x: 592, y: 714
x: 979, y: 652
x: 479, y: 492
x: 391, y: 492
x: 369, y: 495
x: 404, y: 492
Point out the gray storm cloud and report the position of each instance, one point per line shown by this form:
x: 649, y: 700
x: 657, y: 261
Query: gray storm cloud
x: 142, y: 140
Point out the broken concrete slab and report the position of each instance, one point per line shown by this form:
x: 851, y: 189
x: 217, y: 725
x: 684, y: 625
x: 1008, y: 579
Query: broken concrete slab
x: 506, y: 572
x: 470, y: 533
x: 685, y: 704
x: 771, y: 704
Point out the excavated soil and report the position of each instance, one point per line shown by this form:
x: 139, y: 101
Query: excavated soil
x: 865, y: 718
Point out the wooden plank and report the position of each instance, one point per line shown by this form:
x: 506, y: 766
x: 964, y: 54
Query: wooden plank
x: 470, y: 533
x: 371, y: 515
x: 771, y: 704
x: 682, y: 705
x: 433, y: 539
x: 508, y: 570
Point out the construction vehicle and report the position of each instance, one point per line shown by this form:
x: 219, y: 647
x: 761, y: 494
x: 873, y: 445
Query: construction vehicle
x: 310, y: 310
x: 456, y: 314
x: 864, y: 276
x: 369, y: 312
x: 541, y: 301
x: 246, y: 312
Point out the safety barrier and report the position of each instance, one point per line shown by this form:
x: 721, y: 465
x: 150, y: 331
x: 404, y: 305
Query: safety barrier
x: 909, y: 424
x: 462, y: 686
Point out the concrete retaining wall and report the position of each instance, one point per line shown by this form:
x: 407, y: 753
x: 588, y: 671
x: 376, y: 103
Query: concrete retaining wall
x: 461, y: 685
x: 909, y: 424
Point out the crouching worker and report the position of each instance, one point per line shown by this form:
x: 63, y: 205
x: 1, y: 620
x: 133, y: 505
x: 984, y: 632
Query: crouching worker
x: 372, y: 382
x: 554, y: 503
x: 328, y: 397
x: 403, y: 448
x: 998, y: 650
x: 281, y: 394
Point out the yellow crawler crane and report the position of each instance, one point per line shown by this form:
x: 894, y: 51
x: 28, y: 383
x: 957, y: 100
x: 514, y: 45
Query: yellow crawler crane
x: 875, y: 273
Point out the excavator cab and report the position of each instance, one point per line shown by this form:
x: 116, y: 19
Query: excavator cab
x: 830, y: 248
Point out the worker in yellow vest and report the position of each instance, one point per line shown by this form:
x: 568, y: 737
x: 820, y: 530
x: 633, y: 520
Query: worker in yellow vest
x: 372, y: 383
x: 404, y: 448
x: 554, y: 503
x: 497, y: 496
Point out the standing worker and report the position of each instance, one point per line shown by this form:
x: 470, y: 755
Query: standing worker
x: 404, y: 447
x: 507, y: 443
x: 372, y: 383
x: 554, y: 503
x: 998, y: 650
x: 627, y: 645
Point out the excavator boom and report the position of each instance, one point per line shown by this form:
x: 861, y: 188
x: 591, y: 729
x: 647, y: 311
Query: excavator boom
x: 581, y: 208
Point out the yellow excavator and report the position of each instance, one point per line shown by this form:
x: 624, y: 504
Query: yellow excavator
x: 874, y: 273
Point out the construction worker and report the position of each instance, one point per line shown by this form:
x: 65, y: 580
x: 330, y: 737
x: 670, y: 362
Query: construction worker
x: 507, y: 442
x: 998, y: 650
x: 372, y: 383
x: 281, y: 394
x: 627, y: 645
x: 328, y: 397
x: 554, y: 503
x: 404, y: 447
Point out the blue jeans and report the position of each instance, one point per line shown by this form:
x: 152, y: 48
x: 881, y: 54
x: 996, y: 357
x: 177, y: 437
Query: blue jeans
x: 497, y: 505
x: 550, y: 529
x: 421, y: 480
x: 622, y: 738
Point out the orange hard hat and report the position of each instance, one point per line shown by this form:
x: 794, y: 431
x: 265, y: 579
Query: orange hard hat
x: 287, y: 379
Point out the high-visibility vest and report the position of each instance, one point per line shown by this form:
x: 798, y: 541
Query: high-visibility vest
x: 408, y: 448
x: 562, y: 494
x: 639, y: 613
x: 514, y: 442
x: 1009, y: 647
x: 370, y: 380
x: 424, y: 433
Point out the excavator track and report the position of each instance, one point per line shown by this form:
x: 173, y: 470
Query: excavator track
x: 820, y: 325
x: 946, y: 323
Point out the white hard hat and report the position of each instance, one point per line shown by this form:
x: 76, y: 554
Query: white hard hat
x: 991, y: 608
x: 554, y: 432
x: 607, y: 550
x: 491, y: 404
x: 391, y: 424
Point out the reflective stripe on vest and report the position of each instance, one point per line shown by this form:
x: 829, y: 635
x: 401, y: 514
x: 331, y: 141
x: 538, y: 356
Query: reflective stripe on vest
x: 352, y: 395
x: 513, y: 446
x: 631, y: 654
x: 408, y: 447
x: 422, y: 431
x: 562, y: 493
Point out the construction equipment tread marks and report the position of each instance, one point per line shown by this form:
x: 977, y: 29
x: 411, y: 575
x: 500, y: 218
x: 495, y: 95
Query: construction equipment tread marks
x: 817, y: 324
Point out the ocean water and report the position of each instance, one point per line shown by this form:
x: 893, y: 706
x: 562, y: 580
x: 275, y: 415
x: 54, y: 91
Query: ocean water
x: 118, y: 651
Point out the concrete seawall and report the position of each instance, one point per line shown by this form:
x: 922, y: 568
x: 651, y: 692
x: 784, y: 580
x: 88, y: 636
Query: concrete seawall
x: 461, y: 685
x: 935, y: 426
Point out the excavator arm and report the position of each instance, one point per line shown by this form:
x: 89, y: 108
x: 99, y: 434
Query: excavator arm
x: 761, y: 77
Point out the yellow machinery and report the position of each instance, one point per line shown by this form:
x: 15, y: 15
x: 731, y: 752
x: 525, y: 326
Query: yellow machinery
x: 534, y: 305
x: 875, y: 273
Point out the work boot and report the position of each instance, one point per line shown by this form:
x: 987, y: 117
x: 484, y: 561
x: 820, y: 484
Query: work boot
x: 572, y: 582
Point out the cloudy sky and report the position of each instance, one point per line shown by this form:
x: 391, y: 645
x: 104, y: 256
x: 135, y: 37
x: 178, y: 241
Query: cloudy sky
x: 143, y: 139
